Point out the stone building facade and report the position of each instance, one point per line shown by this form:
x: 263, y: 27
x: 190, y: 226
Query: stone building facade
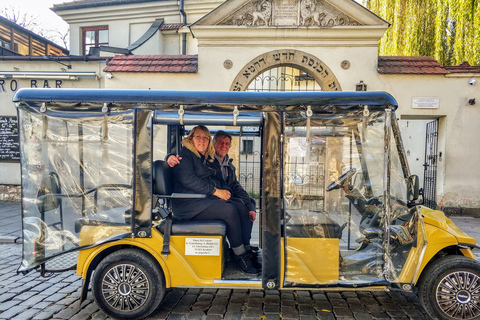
x: 237, y: 44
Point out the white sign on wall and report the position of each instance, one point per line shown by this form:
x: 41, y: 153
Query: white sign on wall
x: 202, y: 247
x: 425, y: 102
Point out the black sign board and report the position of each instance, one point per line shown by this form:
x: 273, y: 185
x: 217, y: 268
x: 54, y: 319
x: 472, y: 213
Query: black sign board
x: 9, y: 145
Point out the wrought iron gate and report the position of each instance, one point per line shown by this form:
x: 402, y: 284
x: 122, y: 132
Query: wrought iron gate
x: 430, y: 165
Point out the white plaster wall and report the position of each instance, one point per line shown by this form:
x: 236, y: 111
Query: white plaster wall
x: 10, y: 172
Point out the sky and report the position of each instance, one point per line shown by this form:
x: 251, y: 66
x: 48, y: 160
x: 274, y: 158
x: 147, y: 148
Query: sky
x: 46, y: 18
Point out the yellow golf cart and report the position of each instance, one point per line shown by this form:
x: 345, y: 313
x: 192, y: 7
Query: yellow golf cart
x: 338, y: 208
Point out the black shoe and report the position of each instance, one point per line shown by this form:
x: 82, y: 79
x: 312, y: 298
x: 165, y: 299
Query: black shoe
x: 254, y: 259
x: 244, y: 262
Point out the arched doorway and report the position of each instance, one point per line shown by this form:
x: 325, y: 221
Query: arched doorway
x: 296, y: 66
x: 281, y: 70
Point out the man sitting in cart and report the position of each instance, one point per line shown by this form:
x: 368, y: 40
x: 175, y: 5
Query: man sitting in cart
x: 194, y: 174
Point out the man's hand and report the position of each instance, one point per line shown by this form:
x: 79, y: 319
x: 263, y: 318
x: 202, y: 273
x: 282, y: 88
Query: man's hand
x: 222, y: 194
x: 173, y: 160
x: 253, y: 215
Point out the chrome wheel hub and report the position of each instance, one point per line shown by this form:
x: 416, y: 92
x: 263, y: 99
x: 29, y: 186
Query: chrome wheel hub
x: 458, y: 295
x: 125, y: 287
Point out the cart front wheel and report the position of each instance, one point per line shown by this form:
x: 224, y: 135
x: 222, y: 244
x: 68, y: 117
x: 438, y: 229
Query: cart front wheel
x: 450, y: 288
x: 128, y: 284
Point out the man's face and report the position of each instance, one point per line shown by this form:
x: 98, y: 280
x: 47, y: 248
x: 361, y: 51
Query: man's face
x: 222, y: 145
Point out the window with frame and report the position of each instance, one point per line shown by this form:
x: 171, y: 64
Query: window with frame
x: 94, y: 37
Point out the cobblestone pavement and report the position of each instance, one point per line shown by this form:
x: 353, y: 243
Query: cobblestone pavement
x: 57, y: 297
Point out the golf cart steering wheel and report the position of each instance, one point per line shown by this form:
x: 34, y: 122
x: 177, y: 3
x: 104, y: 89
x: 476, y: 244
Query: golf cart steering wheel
x: 342, y: 180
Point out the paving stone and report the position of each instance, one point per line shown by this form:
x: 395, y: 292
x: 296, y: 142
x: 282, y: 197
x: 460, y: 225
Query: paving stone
x: 26, y: 314
x: 55, y: 297
x: 41, y: 305
x: 289, y: 312
x: 232, y: 315
x: 213, y: 317
x: 188, y: 299
x: 201, y: 305
x: 349, y: 294
x: 342, y: 312
x: 99, y: 315
x: 181, y: 309
x: 7, y: 296
x: 66, y: 313
x: 85, y: 312
x: 287, y: 295
x: 238, y: 297
x: 9, y: 304
x: 334, y: 295
x: 306, y: 309
x: 271, y: 308
x: 380, y: 315
x: 48, y: 312
x: 291, y: 303
x: 234, y: 307
x: 175, y: 317
x: 353, y: 301
x: 195, y: 315
x: 224, y: 292
x: 218, y: 309
x: 254, y: 303
x: 325, y: 315
x: 223, y: 301
x: 339, y: 302
x: 319, y: 296
x: 253, y: 313
x: 257, y: 294
x: 195, y: 291
x: 12, y: 312
x: 210, y: 290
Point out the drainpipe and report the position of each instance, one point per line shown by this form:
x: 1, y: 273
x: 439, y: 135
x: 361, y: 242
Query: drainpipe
x: 184, y: 35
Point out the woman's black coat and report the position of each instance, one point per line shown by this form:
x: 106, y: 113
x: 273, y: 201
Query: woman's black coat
x: 193, y: 175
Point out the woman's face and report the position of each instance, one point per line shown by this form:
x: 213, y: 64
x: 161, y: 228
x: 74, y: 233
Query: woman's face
x: 200, y: 141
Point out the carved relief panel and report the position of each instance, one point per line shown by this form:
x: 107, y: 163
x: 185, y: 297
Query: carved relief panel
x: 318, y: 13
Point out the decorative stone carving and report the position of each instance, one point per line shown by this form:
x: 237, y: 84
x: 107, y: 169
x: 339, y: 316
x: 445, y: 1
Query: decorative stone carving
x: 310, y: 13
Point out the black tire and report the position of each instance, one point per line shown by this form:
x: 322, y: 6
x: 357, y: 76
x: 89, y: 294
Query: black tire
x: 450, y: 288
x: 128, y: 284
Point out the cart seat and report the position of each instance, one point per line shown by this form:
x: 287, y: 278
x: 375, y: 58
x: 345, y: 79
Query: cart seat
x: 195, y: 227
x: 163, y: 188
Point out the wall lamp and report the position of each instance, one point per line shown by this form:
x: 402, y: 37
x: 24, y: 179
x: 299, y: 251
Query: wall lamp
x: 472, y: 81
x: 361, y: 86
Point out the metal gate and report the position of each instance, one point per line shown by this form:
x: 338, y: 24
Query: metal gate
x: 430, y: 165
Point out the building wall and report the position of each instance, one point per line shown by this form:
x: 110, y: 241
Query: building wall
x: 336, y: 48
x: 10, y: 172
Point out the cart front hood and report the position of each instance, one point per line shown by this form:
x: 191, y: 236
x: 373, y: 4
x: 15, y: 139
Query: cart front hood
x: 438, y: 219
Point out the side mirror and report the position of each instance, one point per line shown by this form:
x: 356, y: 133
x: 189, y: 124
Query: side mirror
x: 412, y: 189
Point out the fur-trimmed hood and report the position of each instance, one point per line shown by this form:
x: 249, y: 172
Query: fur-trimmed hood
x: 209, y: 154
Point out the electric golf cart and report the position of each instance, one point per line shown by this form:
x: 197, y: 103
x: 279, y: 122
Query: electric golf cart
x: 338, y: 208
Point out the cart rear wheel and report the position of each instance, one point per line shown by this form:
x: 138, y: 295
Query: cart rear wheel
x: 128, y: 284
x: 450, y: 288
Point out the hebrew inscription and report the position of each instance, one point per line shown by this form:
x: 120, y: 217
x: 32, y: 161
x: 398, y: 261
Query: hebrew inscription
x: 295, y: 58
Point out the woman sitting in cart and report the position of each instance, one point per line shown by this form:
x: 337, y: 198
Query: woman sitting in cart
x: 194, y: 175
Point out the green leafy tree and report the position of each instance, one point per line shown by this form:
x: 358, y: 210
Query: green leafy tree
x: 447, y: 30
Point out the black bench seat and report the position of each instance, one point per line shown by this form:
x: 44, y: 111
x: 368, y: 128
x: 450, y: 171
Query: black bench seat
x: 195, y: 227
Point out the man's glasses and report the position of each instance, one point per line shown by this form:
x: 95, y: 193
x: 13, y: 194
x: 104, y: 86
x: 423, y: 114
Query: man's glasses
x: 201, y: 138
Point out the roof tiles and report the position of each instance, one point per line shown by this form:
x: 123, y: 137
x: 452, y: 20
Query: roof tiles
x: 420, y: 65
x: 409, y: 65
x: 153, y: 63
